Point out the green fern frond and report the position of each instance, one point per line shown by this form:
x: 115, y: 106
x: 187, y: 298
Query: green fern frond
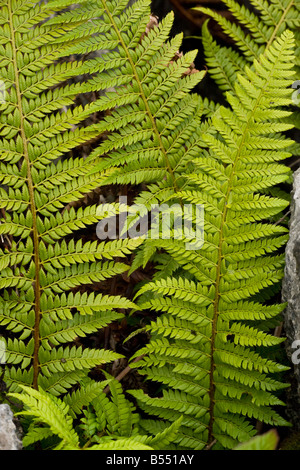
x: 106, y: 423
x: 197, y: 341
x: 40, y: 123
x: 254, y: 30
x: 209, y: 344
x: 51, y: 411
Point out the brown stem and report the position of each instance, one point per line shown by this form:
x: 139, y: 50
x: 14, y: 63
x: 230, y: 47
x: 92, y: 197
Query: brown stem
x: 124, y: 372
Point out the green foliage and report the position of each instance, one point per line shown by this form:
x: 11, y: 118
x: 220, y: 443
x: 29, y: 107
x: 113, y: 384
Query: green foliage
x: 210, y: 346
x: 106, y: 423
x: 43, y: 266
x: 253, y: 31
x: 266, y: 441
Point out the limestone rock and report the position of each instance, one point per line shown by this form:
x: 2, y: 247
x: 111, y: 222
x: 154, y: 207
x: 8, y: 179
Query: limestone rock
x: 291, y: 295
x: 9, y: 438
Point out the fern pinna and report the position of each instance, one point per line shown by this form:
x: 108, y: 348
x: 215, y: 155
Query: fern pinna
x: 43, y: 265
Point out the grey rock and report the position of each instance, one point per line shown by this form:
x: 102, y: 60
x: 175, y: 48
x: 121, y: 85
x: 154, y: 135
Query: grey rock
x: 9, y: 436
x: 291, y: 295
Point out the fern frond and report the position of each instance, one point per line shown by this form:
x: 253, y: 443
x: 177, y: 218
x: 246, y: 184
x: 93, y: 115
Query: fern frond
x: 114, y: 419
x: 51, y: 411
x: 40, y: 122
x: 209, y: 330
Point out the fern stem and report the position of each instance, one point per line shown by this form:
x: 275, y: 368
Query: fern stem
x: 278, y: 25
x: 36, y: 283
x: 124, y: 372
